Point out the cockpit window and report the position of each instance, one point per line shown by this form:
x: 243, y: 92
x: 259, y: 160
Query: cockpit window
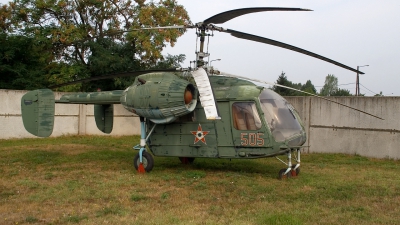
x: 245, y: 116
x: 279, y: 115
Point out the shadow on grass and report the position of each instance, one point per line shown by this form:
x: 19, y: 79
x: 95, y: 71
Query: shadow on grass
x: 243, y: 166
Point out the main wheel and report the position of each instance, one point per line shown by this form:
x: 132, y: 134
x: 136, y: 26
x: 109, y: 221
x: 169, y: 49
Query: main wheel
x: 282, y: 174
x: 186, y: 160
x: 148, y: 161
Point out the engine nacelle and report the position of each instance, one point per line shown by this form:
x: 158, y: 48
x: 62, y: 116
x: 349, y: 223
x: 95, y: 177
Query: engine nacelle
x: 160, y: 97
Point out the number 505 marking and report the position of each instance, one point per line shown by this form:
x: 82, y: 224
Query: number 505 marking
x: 252, y: 139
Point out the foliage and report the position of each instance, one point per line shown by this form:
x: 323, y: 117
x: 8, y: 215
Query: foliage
x: 23, y: 61
x: 330, y: 86
x: 170, y: 61
x: 93, y: 37
x: 341, y: 92
x: 309, y: 87
x: 282, y: 80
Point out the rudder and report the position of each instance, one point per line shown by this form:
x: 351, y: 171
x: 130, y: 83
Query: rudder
x: 37, y: 108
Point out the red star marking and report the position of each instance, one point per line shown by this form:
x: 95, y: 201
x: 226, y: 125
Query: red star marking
x: 200, y: 135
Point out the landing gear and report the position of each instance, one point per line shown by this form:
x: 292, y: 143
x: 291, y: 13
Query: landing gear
x: 143, y: 161
x: 291, y: 170
x: 283, y: 175
x: 186, y: 160
x: 296, y: 170
x: 146, y: 164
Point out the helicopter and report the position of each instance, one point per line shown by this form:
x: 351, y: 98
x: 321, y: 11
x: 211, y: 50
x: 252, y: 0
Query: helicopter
x: 194, y: 112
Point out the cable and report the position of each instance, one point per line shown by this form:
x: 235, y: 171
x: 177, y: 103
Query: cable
x: 368, y: 89
x: 345, y: 84
x: 338, y: 85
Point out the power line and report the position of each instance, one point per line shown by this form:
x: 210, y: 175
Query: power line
x: 345, y: 84
x: 339, y: 84
x: 368, y: 89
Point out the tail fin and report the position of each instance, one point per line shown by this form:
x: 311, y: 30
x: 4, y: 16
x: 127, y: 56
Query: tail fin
x: 104, y: 117
x: 37, y: 109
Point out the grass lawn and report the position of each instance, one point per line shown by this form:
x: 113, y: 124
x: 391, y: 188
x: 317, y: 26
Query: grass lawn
x: 91, y: 180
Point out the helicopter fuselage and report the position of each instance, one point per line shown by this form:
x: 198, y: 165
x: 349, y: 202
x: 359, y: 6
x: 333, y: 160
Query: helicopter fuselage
x: 255, y: 121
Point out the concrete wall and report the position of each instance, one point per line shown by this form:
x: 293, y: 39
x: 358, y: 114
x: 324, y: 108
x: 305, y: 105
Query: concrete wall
x: 69, y: 118
x: 330, y: 127
x: 336, y: 129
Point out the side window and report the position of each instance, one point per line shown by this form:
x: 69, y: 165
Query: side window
x: 245, y: 116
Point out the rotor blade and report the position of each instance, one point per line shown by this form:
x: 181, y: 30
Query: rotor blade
x: 144, y: 28
x: 151, y: 28
x: 275, y: 84
x: 110, y: 76
x: 228, y: 15
x: 264, y: 40
x: 155, y: 28
x: 112, y: 33
x: 206, y: 94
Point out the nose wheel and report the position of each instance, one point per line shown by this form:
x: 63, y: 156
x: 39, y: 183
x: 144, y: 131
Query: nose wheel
x: 291, y: 170
x: 147, y: 162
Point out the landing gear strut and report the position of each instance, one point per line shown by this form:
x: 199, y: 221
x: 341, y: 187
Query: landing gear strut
x: 143, y: 161
x: 291, y: 170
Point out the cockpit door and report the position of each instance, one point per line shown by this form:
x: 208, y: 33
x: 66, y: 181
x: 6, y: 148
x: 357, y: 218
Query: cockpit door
x: 224, y: 131
x: 247, y: 128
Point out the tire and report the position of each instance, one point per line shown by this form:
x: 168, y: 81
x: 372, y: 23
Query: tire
x: 148, y: 161
x: 283, y: 177
x: 187, y: 160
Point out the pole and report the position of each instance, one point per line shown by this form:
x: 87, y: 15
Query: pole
x: 357, y: 81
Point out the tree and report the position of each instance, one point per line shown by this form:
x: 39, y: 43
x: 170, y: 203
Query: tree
x: 330, y: 86
x: 5, y: 17
x: 170, y: 61
x: 94, y: 37
x: 282, y: 80
x: 23, y: 62
x: 309, y: 87
x: 341, y: 92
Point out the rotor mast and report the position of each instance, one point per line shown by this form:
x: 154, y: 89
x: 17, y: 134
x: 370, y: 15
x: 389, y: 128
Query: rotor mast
x: 201, y: 54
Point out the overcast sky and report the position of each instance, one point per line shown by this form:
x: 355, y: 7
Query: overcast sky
x: 355, y: 33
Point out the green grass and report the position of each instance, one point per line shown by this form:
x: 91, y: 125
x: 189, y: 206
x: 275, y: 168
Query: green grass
x: 91, y: 180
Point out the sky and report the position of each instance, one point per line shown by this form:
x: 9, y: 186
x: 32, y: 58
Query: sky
x: 354, y: 33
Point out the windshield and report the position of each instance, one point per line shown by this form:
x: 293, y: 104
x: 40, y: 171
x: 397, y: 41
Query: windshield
x: 279, y: 115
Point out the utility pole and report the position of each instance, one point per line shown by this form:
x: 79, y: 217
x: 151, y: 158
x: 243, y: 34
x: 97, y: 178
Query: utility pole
x: 358, y: 81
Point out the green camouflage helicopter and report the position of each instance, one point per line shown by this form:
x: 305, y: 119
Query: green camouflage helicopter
x: 193, y: 112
